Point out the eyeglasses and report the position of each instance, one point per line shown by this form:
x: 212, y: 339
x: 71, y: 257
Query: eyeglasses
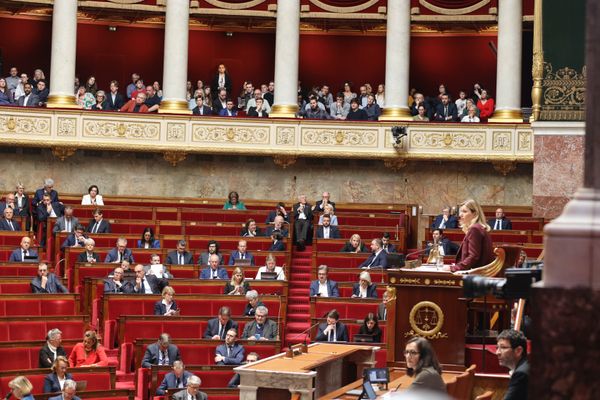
x: 410, y: 353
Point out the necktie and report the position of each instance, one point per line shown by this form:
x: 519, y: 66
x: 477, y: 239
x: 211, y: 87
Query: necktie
x: 243, y: 256
x: 95, y: 229
x: 164, y: 360
x: 120, y: 257
x: 181, y: 259
x: 498, y: 225
x: 178, y: 382
x: 214, y: 274
x: 24, y: 254
x: 445, y: 111
x: 12, y: 228
x: 68, y: 226
x: 221, y: 331
x: 331, y: 336
x: 228, y: 351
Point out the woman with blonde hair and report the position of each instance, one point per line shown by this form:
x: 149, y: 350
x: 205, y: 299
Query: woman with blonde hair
x: 238, y: 284
x: 329, y: 210
x: 167, y: 306
x: 476, y: 249
x: 89, y: 353
x: 21, y: 388
x: 364, y: 288
x: 55, y: 381
x: 354, y: 245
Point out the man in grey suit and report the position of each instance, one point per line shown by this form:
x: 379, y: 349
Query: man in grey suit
x: 230, y: 353
x: 28, y: 99
x: 46, y: 282
x: 161, y: 353
x: 67, y: 222
x: 261, y: 328
x: 180, y: 256
x: 192, y: 391
x: 68, y: 392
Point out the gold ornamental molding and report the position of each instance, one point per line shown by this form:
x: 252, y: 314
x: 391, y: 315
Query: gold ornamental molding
x: 339, y: 137
x: 174, y: 157
x: 468, y: 140
x: 337, y: 9
x: 30, y: 125
x: 284, y: 161
x: 563, y: 94
x: 453, y: 11
x: 235, y: 6
x: 231, y: 134
x: 62, y: 153
x: 426, y: 318
x: 504, y: 167
x: 110, y: 129
x: 395, y: 164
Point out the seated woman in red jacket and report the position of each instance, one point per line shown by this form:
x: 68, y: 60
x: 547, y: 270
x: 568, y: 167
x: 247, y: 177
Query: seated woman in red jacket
x: 89, y: 353
x: 476, y: 249
x: 486, y: 106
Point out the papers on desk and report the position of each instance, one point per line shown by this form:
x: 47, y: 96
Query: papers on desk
x: 424, y: 268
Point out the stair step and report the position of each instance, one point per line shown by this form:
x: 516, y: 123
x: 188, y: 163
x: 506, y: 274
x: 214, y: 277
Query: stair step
x: 297, y: 319
x: 299, y: 291
x: 302, y: 277
x: 294, y: 309
x: 297, y: 326
x: 291, y: 338
x: 125, y: 385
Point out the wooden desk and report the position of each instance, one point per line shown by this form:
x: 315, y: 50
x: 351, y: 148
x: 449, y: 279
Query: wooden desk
x: 323, y: 368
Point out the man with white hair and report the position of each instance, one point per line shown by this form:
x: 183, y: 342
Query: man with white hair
x: 120, y: 253
x: 51, y: 349
x: 68, y: 392
x: 192, y: 391
x: 261, y: 328
x: 47, y: 189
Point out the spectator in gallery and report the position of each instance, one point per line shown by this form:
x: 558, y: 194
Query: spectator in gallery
x: 362, y: 96
x: 28, y: 99
x: 233, y: 202
x: 152, y: 99
x: 419, y: 101
x: 339, y: 110
x: 348, y: 93
x: 422, y: 114
x: 259, y: 110
x: 200, y: 108
x: 93, y: 198
x: 20, y: 89
x: 91, y: 86
x: 101, y: 103
x: 380, y: 95
x: 136, y: 105
x: 85, y: 100
x: 158, y: 90
x: 356, y: 113
x: 12, y: 80
x: 208, y: 98
x: 445, y: 111
x: 220, y: 102
x: 114, y: 99
x: 471, y: 115
x: 253, y: 102
x: 461, y: 102
x: 41, y: 91
x: 139, y: 88
x: 314, y: 111
x: 465, y: 112
x: 229, y: 110
x: 354, y: 245
x: 485, y: 106
x: 222, y: 80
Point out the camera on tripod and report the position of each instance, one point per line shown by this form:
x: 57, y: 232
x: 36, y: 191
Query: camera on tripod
x: 515, y: 285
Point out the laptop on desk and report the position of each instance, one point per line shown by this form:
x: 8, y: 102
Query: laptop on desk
x: 268, y: 276
x: 363, y: 338
x: 238, y: 262
x: 30, y: 259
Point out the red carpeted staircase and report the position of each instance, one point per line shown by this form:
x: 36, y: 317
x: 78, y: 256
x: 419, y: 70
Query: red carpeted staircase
x: 298, y: 308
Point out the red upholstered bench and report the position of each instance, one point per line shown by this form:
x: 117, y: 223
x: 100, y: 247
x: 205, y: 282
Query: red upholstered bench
x: 15, y: 285
x: 18, y: 269
x: 346, y: 288
x: 35, y: 328
x: 25, y: 355
x: 12, y: 239
x: 347, y: 308
x: 340, y: 260
x: 39, y: 304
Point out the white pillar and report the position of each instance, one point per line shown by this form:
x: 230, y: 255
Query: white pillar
x: 287, y: 44
x: 508, y: 72
x: 62, y: 63
x: 397, y: 61
x: 175, y: 58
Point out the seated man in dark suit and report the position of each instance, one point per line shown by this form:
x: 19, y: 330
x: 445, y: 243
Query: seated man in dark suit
x: 47, y: 209
x: 214, y: 271
x: 388, y: 247
x: 47, y: 189
x: 67, y: 222
x: 200, y: 108
x: 51, y: 349
x: 114, y: 99
x: 75, y: 239
x: 279, y: 211
x: 241, y: 253
x: 230, y: 353
x: 445, y: 220
x: 261, y: 328
x: 327, y: 231
x: 500, y: 223
x: 319, y: 206
x: 277, y: 227
x: 191, y: 391
x: 446, y: 247
x: 213, y: 248
x: 278, y: 244
x: 116, y: 283
x: 259, y: 110
x: 119, y: 253
x: 217, y: 328
x: 161, y: 353
x: 88, y: 255
x: 324, y: 286
x: 46, y: 282
x: 20, y: 254
x: 8, y: 223
x: 378, y: 258
x: 512, y: 353
x: 180, y: 256
x: 446, y: 111
x: 147, y: 284
x: 68, y: 391
x: 332, y: 330
x: 174, y: 380
x: 250, y: 358
x: 229, y: 110
x: 98, y: 224
x: 29, y: 99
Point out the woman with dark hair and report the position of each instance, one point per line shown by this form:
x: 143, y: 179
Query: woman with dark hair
x: 93, y: 198
x: 147, y: 241
x: 54, y: 382
x: 221, y: 80
x: 250, y: 229
x: 233, y: 202
x: 423, y: 365
x: 91, y: 86
x: 88, y: 353
x: 371, y: 327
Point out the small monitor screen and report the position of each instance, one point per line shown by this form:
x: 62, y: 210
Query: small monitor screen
x: 377, y: 375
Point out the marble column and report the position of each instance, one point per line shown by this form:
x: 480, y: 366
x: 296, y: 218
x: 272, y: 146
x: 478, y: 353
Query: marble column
x: 566, y: 305
x: 175, y: 59
x: 62, y: 63
x: 397, y: 61
x: 508, y: 71
x: 287, y: 44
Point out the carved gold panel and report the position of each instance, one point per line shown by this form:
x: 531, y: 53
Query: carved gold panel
x: 230, y: 134
x: 175, y: 132
x: 25, y: 125
x: 66, y: 126
x: 474, y: 140
x: 524, y: 140
x: 339, y: 137
x: 104, y: 129
x: 501, y: 140
x: 286, y: 135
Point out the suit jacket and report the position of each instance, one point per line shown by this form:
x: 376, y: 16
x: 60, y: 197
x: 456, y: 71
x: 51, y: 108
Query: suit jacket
x: 33, y: 101
x: 381, y: 312
x: 173, y: 258
x: 170, y: 382
x: 83, y: 257
x: 16, y: 255
x: 5, y: 227
x: 60, y: 224
x: 207, y: 274
x: 203, y: 260
x: 235, y: 358
x: 341, y: 333
x: 332, y: 288
x: 103, y: 228
x: 24, y: 210
x: 113, y: 255
x: 257, y: 233
x: 452, y: 112
x: 236, y: 255
x: 428, y: 379
x: 379, y: 260
x: 371, y: 290
x: 284, y: 232
x: 452, y: 222
x: 53, y: 285
x: 130, y: 106
x: 42, y: 212
x: 206, y: 110
x: 450, y: 248
x: 215, y: 84
x: 505, y: 223
x: 253, y: 113
x: 334, y: 232
x: 476, y: 249
x: 517, y: 385
x: 307, y: 212
x: 111, y: 287
x: 277, y: 246
x: 224, y: 113
x: 161, y: 309
x: 155, y: 245
x: 71, y: 240
x: 114, y: 105
x: 318, y: 208
x: 182, y: 395
x: 273, y: 214
x: 212, y: 328
x: 51, y: 384
x: 270, y: 330
x: 60, y: 397
x: 151, y: 355
x: 46, y: 357
x: 156, y: 285
x: 390, y: 248
x: 39, y: 196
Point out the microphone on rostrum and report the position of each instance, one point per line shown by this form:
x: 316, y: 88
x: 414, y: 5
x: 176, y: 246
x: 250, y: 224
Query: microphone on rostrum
x: 8, y: 396
x: 307, y: 330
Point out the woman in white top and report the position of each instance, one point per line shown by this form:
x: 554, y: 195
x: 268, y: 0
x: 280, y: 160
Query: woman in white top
x: 328, y: 211
x: 380, y: 96
x: 271, y: 267
x: 471, y: 116
x: 93, y: 198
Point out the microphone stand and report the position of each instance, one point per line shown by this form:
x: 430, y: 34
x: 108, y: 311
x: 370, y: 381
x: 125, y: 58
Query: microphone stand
x: 302, y: 347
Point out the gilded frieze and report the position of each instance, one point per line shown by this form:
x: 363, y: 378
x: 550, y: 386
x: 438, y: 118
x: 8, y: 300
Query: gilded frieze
x: 563, y: 94
x: 175, y: 132
x: 286, y: 135
x: 66, y: 126
x: 501, y: 140
x: 25, y: 125
x: 230, y: 134
x: 345, y: 137
x: 474, y: 140
x: 124, y: 130
x: 524, y: 140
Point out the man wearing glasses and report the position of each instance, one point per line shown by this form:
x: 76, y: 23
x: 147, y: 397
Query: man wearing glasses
x: 512, y: 353
x: 46, y: 282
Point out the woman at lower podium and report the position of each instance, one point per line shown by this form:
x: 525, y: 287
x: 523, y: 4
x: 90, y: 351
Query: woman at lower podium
x: 423, y: 365
x: 476, y: 249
